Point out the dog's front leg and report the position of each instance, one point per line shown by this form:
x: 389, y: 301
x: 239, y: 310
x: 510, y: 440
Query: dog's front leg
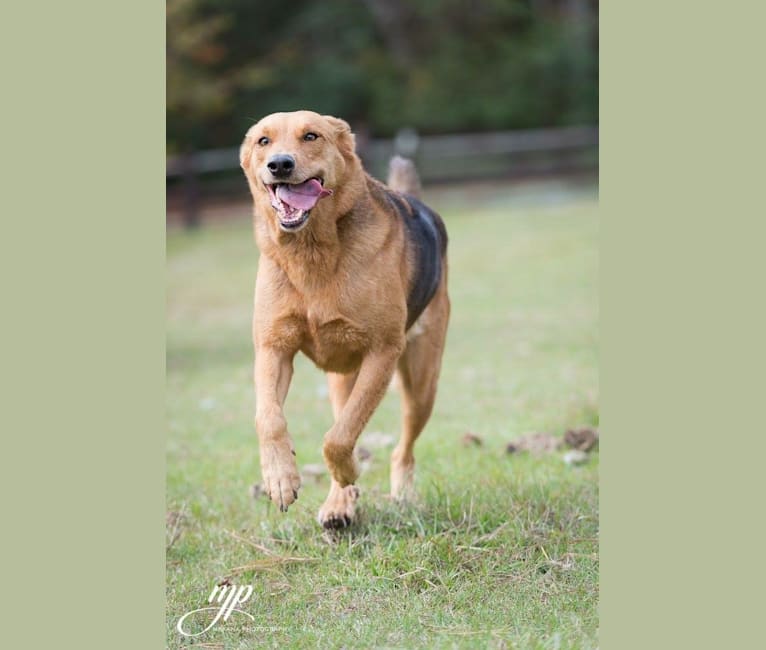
x: 273, y: 371
x: 338, y: 450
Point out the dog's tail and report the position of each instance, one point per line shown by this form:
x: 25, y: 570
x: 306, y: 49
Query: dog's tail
x: 403, y: 177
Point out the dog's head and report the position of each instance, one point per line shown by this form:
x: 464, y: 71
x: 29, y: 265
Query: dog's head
x: 297, y: 163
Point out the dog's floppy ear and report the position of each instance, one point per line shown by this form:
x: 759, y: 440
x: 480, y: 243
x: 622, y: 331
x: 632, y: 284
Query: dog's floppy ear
x: 245, y: 151
x: 346, y: 140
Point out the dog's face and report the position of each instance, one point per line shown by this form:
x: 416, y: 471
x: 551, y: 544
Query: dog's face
x: 294, y: 161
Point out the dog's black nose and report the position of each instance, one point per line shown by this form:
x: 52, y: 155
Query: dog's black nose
x: 281, y: 165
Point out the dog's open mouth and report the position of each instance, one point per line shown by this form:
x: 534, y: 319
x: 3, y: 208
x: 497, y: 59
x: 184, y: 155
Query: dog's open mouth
x: 294, y: 201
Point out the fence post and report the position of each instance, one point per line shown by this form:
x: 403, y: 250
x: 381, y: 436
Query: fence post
x: 191, y: 192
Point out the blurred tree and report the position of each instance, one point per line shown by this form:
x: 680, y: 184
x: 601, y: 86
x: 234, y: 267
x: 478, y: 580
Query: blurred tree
x: 193, y: 92
x: 394, y: 22
x: 439, y: 66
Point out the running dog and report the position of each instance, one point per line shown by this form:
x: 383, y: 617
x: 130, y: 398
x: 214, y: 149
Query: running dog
x: 352, y: 273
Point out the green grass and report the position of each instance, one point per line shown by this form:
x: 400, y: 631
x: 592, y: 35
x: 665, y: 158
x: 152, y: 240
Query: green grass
x: 499, y: 551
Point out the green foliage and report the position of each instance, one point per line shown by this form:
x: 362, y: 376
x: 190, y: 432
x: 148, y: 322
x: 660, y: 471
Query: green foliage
x: 437, y: 66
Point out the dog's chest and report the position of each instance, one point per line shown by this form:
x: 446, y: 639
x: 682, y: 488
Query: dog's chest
x: 334, y: 342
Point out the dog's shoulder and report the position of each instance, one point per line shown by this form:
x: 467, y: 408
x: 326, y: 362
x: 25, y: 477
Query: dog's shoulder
x: 427, y: 237
x: 423, y: 225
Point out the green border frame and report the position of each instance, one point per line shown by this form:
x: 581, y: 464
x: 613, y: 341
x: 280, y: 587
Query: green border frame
x: 83, y: 336
x: 682, y: 324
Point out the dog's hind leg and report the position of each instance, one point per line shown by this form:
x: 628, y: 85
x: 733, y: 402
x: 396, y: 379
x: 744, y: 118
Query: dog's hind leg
x: 418, y: 372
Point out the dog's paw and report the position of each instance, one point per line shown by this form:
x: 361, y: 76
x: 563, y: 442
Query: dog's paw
x: 339, y: 510
x: 281, y: 480
x: 402, y: 479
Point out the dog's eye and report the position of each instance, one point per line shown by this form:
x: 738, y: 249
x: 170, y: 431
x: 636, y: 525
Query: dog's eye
x: 310, y: 136
x: 263, y: 141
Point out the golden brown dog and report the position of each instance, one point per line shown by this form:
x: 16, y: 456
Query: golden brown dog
x: 354, y: 275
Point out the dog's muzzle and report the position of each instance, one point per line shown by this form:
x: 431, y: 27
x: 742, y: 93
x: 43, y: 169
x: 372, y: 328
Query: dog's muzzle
x: 293, y: 202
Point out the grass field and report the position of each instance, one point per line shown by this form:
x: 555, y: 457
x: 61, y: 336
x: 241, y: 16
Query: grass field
x: 499, y: 550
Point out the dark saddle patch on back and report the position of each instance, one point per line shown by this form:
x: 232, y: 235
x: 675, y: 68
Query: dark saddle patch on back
x: 428, y: 239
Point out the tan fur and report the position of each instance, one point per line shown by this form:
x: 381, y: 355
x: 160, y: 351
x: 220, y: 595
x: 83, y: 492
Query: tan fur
x: 336, y: 291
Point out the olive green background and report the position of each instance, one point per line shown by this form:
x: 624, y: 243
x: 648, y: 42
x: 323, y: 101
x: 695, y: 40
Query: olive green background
x: 83, y: 326
x: 682, y: 276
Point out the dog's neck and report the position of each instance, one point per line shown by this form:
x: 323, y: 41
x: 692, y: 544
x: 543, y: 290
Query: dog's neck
x: 308, y: 258
x: 311, y: 257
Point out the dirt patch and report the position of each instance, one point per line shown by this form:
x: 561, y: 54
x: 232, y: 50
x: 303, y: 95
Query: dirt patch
x: 539, y: 442
x: 581, y: 439
x: 471, y: 439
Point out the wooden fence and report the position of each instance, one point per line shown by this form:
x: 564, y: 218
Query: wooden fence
x: 438, y: 158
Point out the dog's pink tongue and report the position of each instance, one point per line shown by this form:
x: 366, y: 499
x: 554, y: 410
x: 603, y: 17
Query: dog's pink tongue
x: 303, y: 196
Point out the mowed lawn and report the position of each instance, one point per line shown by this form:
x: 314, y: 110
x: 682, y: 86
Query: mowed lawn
x: 499, y: 550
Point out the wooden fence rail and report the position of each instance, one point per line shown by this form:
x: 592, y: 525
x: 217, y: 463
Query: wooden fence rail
x: 438, y: 157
